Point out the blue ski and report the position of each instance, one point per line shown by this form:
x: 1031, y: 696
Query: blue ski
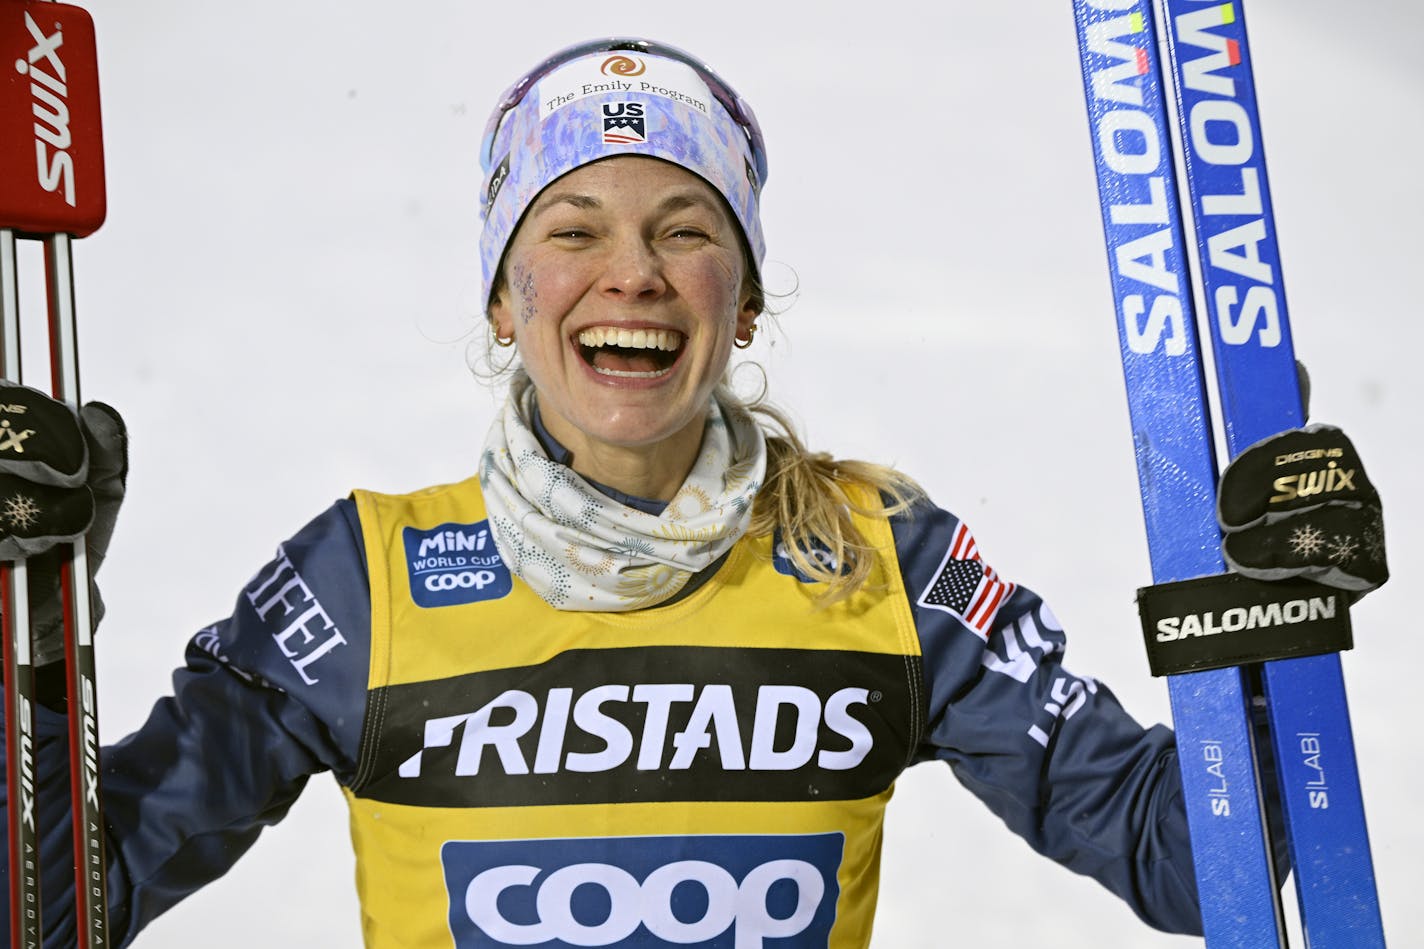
x: 1167, y: 403
x: 1170, y: 418
x: 1256, y: 381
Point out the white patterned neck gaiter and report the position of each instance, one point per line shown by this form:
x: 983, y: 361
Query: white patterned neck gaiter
x: 581, y: 550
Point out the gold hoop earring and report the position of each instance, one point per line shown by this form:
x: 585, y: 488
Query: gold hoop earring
x: 751, y: 332
x: 503, y: 342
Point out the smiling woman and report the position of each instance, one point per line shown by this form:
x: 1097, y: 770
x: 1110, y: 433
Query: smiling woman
x: 650, y: 676
x: 629, y: 287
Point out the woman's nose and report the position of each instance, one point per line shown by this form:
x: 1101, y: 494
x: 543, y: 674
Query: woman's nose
x: 634, y: 272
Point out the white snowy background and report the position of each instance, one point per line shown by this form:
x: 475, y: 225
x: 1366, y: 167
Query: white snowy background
x: 282, y: 301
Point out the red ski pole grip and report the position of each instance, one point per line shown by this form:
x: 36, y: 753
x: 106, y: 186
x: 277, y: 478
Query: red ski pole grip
x: 51, y: 143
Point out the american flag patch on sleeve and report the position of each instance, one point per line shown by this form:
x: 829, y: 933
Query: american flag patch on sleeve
x: 965, y: 586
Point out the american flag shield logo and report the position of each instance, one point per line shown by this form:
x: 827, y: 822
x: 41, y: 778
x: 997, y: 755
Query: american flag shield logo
x: 624, y: 123
x: 965, y: 586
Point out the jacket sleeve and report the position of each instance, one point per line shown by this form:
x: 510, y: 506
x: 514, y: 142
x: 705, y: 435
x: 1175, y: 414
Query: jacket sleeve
x: 1052, y: 753
x: 267, y: 697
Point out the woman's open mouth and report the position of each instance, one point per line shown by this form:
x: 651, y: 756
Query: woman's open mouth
x: 630, y: 354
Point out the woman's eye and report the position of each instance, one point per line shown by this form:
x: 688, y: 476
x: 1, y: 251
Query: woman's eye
x: 688, y: 233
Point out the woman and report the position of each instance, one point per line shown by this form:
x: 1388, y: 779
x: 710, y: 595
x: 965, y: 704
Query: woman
x: 649, y: 678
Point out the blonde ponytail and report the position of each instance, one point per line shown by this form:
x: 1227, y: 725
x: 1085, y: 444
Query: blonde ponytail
x: 810, y: 497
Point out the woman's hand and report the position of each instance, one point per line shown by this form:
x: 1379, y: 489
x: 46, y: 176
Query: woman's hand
x: 61, y: 477
x: 1299, y: 504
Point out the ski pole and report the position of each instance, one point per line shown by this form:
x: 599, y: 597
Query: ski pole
x: 52, y: 190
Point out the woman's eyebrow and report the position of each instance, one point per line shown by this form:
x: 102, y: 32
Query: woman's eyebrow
x: 587, y: 202
x: 690, y: 199
x: 583, y: 202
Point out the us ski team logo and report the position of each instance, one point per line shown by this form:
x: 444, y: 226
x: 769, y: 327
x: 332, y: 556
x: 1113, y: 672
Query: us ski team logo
x: 624, y: 123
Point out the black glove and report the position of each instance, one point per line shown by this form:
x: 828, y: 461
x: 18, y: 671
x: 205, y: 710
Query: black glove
x: 60, y: 476
x: 1299, y: 504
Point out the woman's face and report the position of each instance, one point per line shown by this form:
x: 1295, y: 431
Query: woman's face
x: 624, y: 288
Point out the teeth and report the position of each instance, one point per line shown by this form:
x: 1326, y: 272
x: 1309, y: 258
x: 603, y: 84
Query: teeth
x: 666, y: 340
x: 623, y: 374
